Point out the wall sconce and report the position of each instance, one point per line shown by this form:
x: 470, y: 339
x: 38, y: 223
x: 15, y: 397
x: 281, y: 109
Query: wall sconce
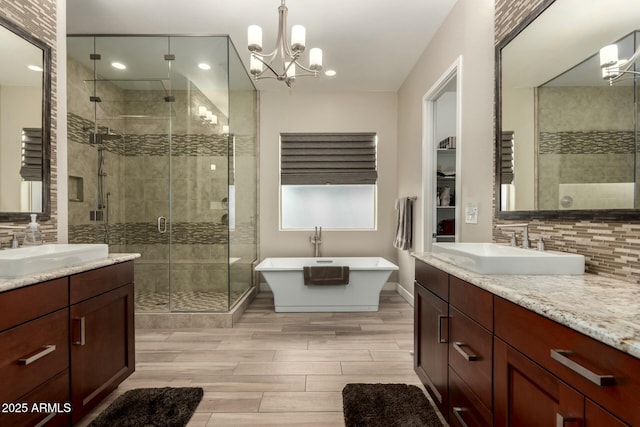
x: 225, y: 130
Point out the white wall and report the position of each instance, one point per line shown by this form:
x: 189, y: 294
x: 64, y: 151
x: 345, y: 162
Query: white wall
x: 327, y: 112
x: 467, y: 31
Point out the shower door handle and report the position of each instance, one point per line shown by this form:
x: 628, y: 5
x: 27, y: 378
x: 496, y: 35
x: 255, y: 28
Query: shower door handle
x: 162, y: 225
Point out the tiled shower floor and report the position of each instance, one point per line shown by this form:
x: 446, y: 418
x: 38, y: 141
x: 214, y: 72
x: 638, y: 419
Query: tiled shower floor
x: 156, y: 302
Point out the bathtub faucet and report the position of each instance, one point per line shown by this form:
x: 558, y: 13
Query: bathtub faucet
x: 316, y: 241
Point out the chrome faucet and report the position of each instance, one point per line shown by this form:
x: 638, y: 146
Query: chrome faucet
x: 14, y: 241
x: 525, y: 233
x: 316, y: 241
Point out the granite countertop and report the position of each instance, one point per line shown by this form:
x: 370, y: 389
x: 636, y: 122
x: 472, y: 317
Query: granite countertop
x: 602, y: 308
x: 18, y: 282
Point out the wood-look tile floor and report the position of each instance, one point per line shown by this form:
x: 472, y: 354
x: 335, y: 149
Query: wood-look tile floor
x: 277, y: 369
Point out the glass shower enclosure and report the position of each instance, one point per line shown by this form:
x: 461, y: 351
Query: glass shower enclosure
x: 162, y: 161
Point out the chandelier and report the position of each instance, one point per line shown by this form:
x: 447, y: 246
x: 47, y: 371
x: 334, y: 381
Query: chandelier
x: 283, y: 62
x: 612, y: 67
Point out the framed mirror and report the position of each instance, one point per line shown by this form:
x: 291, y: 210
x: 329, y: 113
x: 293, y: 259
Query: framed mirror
x: 25, y: 124
x: 567, y: 135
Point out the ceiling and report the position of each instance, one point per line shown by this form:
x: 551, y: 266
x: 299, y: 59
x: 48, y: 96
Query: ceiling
x: 371, y: 44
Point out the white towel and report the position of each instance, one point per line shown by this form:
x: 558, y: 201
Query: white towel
x: 404, y: 227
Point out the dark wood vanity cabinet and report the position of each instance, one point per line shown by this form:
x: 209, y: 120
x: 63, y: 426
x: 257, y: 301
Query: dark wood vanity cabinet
x: 544, y: 368
x: 431, y: 313
x: 509, y: 366
x: 102, y: 334
x: 66, y: 343
x: 34, y: 361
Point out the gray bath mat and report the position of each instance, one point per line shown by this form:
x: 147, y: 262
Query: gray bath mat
x: 387, y: 405
x: 147, y: 407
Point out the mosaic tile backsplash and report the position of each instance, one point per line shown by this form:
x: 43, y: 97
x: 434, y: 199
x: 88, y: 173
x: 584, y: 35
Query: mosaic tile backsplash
x: 611, y: 247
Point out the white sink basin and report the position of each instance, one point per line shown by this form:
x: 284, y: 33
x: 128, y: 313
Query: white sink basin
x: 39, y: 259
x: 491, y: 258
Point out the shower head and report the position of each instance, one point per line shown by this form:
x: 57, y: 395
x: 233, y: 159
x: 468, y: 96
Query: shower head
x: 100, y: 138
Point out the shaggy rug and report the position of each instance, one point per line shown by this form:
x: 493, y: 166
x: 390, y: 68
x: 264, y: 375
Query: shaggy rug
x: 161, y: 407
x: 387, y: 405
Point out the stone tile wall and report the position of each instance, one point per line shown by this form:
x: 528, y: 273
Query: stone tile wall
x: 612, y: 248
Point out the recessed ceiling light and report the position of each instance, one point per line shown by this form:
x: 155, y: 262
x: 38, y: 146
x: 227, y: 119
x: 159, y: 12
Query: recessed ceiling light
x: 204, y: 66
x: 118, y: 65
x: 35, y: 68
x: 330, y: 73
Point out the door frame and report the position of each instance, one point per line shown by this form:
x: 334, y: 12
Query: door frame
x: 454, y: 71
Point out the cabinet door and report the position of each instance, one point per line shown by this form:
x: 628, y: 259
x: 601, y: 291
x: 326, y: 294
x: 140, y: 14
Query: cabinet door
x: 102, y: 347
x: 527, y: 395
x: 431, y: 344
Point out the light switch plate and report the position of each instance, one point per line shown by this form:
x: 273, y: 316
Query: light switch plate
x: 471, y: 214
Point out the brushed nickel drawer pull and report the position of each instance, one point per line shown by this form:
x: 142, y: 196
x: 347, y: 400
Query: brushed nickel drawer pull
x: 457, y: 411
x: 560, y: 356
x: 82, y: 340
x: 468, y: 356
x: 440, y: 338
x: 561, y: 420
x: 39, y: 355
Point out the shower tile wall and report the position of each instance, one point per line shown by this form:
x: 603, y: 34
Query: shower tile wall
x: 581, y: 141
x: 138, y: 167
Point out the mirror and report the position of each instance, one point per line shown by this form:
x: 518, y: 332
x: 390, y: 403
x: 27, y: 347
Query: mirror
x: 566, y: 139
x: 25, y: 101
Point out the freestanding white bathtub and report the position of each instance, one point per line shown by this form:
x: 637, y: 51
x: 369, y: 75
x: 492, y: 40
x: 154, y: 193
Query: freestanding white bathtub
x: 367, y: 276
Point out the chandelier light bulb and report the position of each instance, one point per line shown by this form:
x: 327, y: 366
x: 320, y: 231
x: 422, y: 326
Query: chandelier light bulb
x: 254, y: 37
x: 609, y: 55
x: 315, y: 59
x: 212, y: 118
x: 255, y: 65
x: 298, y: 34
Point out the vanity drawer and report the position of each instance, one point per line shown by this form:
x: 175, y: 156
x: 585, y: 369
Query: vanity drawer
x: 95, y: 282
x: 471, y: 354
x: 472, y: 301
x: 437, y: 281
x: 54, y: 392
x: 465, y: 410
x: 24, y: 304
x: 541, y: 340
x: 32, y: 353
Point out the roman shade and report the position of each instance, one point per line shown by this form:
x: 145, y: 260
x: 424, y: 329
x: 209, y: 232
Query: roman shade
x: 328, y: 158
x: 506, y: 158
x: 31, y: 169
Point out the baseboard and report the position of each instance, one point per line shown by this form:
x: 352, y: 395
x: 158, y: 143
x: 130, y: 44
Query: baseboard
x: 390, y: 286
x: 405, y: 294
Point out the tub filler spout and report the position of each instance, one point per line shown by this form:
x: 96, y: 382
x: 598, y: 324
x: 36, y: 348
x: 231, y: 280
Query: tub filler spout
x: 316, y: 241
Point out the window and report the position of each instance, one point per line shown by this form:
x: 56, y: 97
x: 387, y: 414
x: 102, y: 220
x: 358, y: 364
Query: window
x: 328, y: 180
